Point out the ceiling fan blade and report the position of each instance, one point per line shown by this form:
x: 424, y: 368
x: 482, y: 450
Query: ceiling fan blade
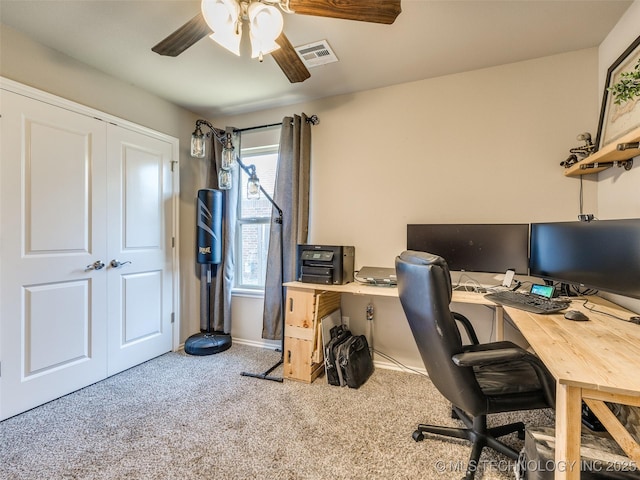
x: 375, y: 11
x: 184, y: 37
x: 289, y: 61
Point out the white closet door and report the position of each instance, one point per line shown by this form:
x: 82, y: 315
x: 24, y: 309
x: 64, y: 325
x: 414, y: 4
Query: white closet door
x: 139, y: 238
x: 53, y: 313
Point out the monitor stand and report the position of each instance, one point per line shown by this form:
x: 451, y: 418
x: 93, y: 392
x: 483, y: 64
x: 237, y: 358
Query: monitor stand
x: 563, y: 290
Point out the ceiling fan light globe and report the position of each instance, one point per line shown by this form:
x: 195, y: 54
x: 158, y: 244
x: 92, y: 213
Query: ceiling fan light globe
x: 228, y: 40
x: 265, y: 24
x: 219, y: 14
x: 259, y: 48
x: 223, y: 17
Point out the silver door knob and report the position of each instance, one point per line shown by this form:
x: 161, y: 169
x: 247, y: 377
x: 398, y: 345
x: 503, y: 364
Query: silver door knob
x: 115, y: 263
x: 97, y: 265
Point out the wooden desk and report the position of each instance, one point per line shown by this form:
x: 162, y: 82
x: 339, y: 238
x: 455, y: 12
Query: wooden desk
x: 457, y: 296
x: 594, y: 361
x: 306, y: 303
x: 355, y: 288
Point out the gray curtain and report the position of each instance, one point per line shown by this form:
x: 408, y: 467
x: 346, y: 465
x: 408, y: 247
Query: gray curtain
x: 219, y: 310
x: 291, y: 194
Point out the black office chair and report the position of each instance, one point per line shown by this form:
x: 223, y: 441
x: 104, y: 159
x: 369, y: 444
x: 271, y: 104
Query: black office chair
x: 478, y: 379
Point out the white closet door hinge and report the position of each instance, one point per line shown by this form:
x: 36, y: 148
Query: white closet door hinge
x: 173, y: 317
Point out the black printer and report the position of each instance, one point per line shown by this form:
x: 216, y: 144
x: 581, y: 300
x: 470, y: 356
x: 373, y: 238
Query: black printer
x: 325, y: 264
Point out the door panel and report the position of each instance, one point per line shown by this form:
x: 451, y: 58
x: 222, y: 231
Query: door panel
x: 141, y: 320
x: 140, y: 226
x: 143, y: 201
x: 56, y: 326
x: 56, y: 219
x: 53, y: 206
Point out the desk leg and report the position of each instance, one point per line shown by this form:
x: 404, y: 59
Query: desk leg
x: 568, y: 428
x: 499, y: 322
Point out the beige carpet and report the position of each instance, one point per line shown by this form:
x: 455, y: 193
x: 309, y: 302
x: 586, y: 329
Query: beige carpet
x: 185, y: 417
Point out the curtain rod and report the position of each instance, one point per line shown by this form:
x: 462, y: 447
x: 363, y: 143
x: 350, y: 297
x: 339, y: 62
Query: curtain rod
x: 257, y: 127
x: 313, y: 120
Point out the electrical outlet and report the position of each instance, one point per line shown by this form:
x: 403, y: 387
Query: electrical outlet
x: 370, y: 312
x: 345, y: 321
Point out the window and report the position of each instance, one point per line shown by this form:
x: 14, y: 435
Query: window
x: 254, y: 219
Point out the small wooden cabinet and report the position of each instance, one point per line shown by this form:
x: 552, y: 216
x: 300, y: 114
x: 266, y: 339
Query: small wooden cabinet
x: 303, y: 352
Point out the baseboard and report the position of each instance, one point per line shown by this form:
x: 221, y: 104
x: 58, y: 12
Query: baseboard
x: 269, y: 345
x: 392, y: 366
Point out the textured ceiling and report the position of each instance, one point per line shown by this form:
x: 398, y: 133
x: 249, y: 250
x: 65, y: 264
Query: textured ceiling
x: 430, y: 38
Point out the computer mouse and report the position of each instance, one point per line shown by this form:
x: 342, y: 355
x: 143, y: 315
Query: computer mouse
x: 575, y: 315
x: 635, y: 320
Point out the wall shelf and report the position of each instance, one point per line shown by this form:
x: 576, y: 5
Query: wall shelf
x: 608, y: 154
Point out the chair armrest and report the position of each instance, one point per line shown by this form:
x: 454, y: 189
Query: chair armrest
x: 468, y: 328
x: 488, y: 357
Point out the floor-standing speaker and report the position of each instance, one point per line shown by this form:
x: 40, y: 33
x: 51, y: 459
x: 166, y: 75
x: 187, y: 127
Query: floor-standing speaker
x: 209, y: 253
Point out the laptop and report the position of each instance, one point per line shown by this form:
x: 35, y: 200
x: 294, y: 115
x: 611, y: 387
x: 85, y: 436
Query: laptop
x: 377, y: 276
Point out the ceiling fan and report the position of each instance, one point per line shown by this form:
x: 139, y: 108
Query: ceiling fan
x: 235, y: 12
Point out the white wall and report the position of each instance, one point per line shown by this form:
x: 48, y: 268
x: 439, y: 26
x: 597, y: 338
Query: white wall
x: 618, y: 189
x: 481, y: 146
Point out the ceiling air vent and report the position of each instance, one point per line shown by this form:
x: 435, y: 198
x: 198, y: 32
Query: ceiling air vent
x: 316, y: 53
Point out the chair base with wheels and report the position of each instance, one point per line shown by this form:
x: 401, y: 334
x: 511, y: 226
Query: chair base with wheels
x: 477, y: 433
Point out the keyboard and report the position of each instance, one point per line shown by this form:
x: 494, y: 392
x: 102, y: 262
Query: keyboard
x: 527, y: 302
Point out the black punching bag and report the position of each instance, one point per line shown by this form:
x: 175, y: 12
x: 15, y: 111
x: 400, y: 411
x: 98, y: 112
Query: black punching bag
x: 208, y: 252
x: 209, y: 226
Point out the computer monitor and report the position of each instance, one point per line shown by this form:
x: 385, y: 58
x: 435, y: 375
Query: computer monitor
x: 492, y: 248
x: 602, y: 254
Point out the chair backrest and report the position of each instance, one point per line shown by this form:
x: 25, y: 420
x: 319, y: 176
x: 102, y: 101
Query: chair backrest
x: 424, y: 287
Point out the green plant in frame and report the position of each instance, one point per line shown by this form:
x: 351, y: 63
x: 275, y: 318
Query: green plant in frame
x: 628, y: 87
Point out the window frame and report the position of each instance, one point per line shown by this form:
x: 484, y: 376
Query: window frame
x: 245, y: 155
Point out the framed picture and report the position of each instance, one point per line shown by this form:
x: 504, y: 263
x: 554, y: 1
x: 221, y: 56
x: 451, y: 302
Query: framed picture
x: 618, y: 119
